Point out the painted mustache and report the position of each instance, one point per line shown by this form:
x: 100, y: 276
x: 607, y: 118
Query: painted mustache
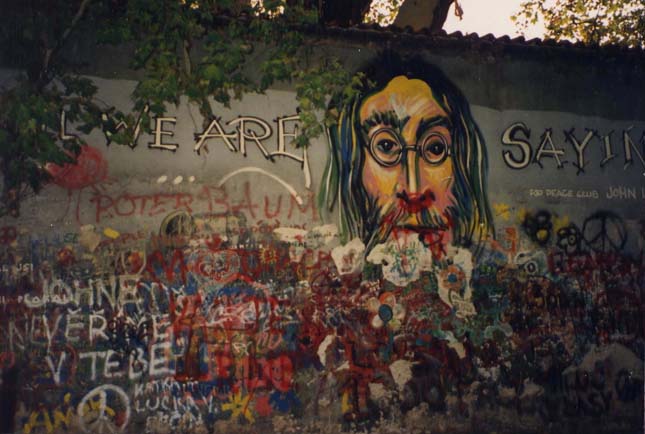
x: 397, y: 213
x: 414, y: 203
x: 419, y: 204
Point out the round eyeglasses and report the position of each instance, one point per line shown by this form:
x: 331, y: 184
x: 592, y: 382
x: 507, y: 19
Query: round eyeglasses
x: 387, y: 148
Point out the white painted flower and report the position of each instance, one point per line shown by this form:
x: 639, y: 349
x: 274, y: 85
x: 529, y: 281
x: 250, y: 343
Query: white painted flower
x: 322, y: 236
x: 290, y: 235
x: 402, y: 259
x: 454, y: 282
x: 349, y: 258
x: 295, y: 237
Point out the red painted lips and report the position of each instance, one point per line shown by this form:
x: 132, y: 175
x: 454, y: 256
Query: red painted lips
x: 416, y: 202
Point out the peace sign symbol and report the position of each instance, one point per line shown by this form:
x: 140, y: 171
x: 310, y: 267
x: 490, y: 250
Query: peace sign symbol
x: 605, y: 231
x: 96, y: 411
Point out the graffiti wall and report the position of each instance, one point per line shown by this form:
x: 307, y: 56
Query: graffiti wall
x: 430, y: 265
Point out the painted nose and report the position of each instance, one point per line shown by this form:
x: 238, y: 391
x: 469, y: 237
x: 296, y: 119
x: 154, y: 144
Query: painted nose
x: 411, y: 199
x: 411, y: 172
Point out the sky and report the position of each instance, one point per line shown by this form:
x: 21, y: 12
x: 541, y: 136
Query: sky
x: 489, y: 16
x: 480, y: 16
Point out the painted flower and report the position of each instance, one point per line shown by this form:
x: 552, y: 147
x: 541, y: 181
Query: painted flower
x: 268, y: 255
x: 349, y: 257
x: 452, y: 278
x: 455, y: 292
x: 402, y: 260
x: 386, y: 311
x: 239, y: 405
x: 570, y: 239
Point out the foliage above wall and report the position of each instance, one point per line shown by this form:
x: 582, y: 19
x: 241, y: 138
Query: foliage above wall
x: 197, y: 48
x: 590, y: 21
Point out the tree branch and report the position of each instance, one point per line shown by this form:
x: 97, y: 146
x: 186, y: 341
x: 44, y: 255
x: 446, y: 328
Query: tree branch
x: 186, y: 53
x: 441, y: 14
x: 51, y: 51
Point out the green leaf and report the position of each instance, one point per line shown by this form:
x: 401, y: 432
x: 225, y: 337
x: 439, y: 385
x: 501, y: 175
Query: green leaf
x: 214, y: 73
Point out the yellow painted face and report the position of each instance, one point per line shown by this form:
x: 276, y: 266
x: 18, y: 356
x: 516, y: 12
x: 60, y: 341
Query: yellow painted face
x: 408, y: 168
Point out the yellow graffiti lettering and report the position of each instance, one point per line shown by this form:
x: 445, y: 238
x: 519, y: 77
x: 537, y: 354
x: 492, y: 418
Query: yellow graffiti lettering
x: 34, y: 422
x: 345, y: 405
x: 61, y: 419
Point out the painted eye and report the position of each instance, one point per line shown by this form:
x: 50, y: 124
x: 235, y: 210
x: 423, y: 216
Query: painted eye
x: 385, y: 148
x: 435, y: 149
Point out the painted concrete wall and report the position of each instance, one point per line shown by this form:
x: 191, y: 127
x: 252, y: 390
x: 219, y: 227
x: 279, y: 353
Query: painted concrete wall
x: 436, y: 263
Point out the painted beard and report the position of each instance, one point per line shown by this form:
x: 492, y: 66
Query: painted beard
x: 411, y: 213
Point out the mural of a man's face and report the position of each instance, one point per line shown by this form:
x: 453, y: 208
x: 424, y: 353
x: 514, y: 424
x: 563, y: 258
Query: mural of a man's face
x: 408, y: 170
x: 407, y: 161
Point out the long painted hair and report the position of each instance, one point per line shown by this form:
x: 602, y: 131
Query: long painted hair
x: 342, y: 190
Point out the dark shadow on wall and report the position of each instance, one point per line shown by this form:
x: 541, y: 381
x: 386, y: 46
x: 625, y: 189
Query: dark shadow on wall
x: 8, y: 391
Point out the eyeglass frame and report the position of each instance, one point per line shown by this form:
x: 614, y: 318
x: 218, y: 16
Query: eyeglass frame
x: 406, y: 147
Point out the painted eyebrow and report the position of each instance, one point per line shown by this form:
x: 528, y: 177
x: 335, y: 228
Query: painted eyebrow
x: 388, y: 118
x: 434, y: 121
